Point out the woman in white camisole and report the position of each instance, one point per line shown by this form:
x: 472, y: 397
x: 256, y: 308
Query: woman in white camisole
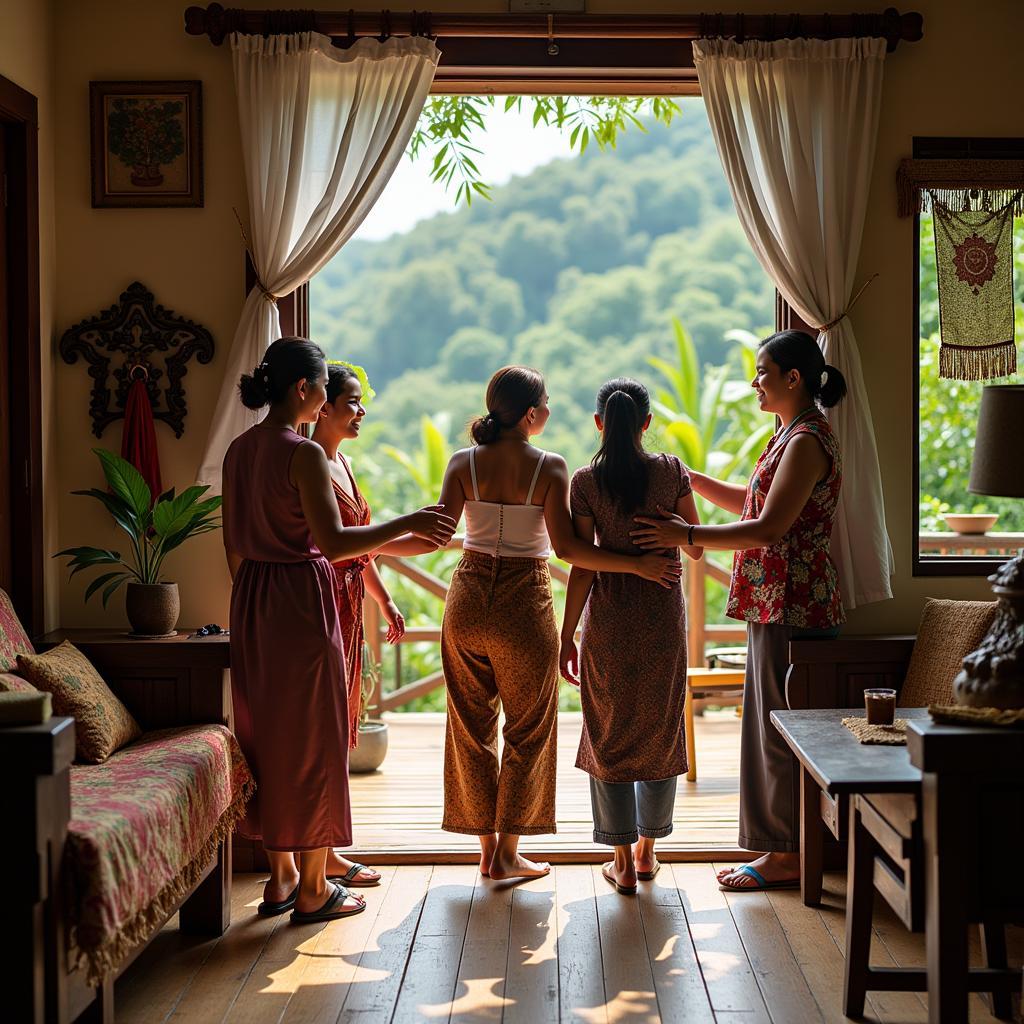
x: 499, y: 642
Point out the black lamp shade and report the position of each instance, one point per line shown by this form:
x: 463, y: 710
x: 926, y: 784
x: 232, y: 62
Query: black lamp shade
x: 997, y: 467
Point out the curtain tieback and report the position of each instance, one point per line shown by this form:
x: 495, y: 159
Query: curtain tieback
x: 252, y: 259
x: 846, y: 312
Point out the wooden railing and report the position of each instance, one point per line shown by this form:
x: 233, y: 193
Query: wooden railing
x: 970, y: 543
x: 699, y: 632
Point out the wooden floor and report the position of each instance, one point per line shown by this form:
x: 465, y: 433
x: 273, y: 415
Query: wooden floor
x: 439, y: 943
x: 398, y: 809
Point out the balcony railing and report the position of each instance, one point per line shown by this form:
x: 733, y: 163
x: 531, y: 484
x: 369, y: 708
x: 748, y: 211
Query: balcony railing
x: 970, y: 543
x: 699, y: 632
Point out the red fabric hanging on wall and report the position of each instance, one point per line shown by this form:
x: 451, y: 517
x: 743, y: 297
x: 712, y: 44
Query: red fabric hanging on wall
x: 138, y: 443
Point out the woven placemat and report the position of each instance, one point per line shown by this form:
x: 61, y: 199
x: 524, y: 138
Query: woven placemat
x: 954, y: 714
x: 894, y: 735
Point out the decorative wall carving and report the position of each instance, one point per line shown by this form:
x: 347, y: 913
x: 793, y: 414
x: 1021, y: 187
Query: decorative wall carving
x: 137, y: 336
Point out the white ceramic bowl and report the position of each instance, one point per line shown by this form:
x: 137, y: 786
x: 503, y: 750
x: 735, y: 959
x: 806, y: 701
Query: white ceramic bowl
x: 973, y: 522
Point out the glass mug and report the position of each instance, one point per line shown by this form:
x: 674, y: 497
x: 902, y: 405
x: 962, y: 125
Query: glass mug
x: 880, y: 706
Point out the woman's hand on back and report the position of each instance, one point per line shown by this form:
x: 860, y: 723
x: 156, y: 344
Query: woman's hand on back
x: 432, y: 524
x: 665, y: 570
x: 668, y: 531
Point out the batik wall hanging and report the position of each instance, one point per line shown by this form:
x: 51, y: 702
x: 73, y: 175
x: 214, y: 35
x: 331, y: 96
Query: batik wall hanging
x: 974, y: 266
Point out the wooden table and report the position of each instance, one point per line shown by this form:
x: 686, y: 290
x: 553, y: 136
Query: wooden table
x: 947, y: 808
x: 834, y: 765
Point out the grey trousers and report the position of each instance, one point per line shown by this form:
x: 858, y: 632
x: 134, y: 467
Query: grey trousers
x: 623, y: 811
x: 769, y: 775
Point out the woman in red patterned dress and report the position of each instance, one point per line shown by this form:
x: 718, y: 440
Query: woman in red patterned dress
x: 784, y: 583
x: 340, y: 419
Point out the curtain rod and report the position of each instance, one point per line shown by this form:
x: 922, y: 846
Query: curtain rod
x: 218, y: 22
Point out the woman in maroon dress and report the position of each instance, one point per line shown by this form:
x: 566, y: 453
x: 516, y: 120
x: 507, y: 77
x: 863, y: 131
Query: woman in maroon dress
x: 784, y: 584
x: 281, y: 530
x: 341, y: 419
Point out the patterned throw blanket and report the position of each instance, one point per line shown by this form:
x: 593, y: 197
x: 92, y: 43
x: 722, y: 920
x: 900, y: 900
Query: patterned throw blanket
x: 143, y: 827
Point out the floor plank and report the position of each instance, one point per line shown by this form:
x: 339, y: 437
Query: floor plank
x: 531, y: 972
x: 480, y: 986
x: 782, y: 983
x: 678, y: 982
x: 382, y: 964
x: 628, y: 980
x: 433, y: 964
x: 723, y: 961
x: 580, y: 978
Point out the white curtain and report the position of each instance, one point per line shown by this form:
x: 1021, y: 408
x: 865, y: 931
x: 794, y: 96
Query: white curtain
x: 322, y: 132
x: 795, y: 124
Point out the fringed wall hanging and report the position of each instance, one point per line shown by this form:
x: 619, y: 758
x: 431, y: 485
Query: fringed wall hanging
x: 973, y: 202
x: 138, y: 353
x: 974, y: 266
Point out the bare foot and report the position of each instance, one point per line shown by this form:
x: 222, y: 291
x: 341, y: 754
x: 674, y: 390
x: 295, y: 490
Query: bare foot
x: 338, y: 867
x: 517, y: 867
x: 488, y: 844
x: 772, y: 867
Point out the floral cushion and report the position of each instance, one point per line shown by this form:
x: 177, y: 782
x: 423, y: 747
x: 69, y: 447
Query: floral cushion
x: 102, y: 723
x: 10, y: 683
x: 13, y: 638
x: 143, y: 826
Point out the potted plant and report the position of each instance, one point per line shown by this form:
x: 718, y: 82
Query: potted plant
x: 154, y: 531
x: 368, y: 754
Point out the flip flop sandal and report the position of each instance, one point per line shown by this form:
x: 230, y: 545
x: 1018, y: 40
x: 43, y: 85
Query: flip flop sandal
x: 762, y: 882
x: 624, y: 890
x: 350, y: 878
x: 268, y: 908
x: 648, y: 876
x: 332, y: 909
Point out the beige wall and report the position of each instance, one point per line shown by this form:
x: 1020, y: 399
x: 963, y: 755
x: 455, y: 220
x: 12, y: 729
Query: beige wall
x: 192, y: 260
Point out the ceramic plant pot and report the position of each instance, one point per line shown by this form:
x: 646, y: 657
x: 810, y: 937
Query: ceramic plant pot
x: 369, y: 752
x: 152, y: 608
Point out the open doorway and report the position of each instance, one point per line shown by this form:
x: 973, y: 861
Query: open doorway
x: 21, y: 498
x: 628, y: 261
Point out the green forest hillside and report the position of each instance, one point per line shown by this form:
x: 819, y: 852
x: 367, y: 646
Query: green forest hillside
x: 577, y: 268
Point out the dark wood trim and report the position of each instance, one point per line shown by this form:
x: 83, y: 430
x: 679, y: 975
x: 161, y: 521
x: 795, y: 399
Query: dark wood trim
x: 216, y: 22
x: 941, y: 148
x: 19, y: 121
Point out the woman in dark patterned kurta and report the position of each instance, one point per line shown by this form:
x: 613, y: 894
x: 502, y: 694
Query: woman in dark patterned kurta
x: 783, y: 583
x: 632, y: 659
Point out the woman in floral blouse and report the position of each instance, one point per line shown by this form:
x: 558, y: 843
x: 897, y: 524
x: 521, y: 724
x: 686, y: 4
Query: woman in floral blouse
x: 784, y: 583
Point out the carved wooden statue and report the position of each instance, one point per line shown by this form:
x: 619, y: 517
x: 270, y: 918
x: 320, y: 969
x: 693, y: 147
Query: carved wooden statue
x: 136, y: 338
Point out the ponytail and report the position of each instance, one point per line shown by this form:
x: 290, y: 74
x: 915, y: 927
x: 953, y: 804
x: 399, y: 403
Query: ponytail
x: 511, y: 393
x: 620, y: 466
x: 797, y: 350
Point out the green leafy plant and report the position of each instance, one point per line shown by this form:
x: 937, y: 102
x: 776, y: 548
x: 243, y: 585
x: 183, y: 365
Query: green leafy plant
x: 448, y: 125
x: 154, y: 529
x: 146, y: 133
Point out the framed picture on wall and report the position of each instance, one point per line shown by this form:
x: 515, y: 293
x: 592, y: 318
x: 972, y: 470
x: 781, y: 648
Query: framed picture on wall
x: 147, y: 143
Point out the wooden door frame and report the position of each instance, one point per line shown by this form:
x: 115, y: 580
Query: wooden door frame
x: 19, y: 120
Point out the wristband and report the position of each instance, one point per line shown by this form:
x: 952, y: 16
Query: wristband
x: 689, y: 537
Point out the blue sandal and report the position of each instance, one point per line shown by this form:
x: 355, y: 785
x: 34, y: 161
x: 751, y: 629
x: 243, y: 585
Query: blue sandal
x: 762, y: 882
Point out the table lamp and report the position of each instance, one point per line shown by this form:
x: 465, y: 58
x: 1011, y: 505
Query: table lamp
x: 993, y: 675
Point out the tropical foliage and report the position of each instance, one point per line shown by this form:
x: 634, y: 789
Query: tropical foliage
x: 154, y: 530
